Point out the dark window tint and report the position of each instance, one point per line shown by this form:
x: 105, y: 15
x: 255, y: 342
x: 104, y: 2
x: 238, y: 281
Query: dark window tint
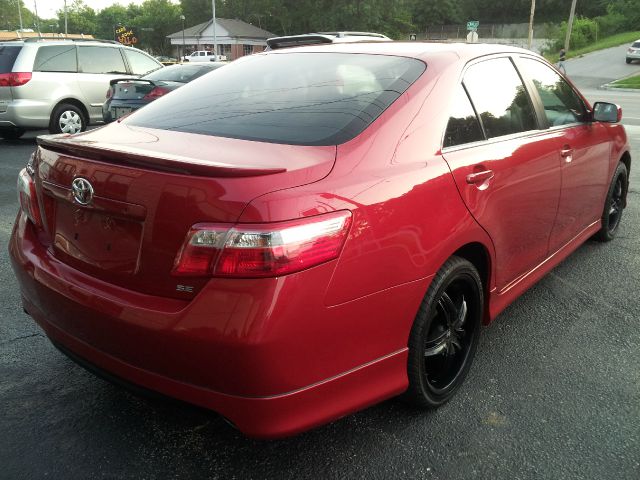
x: 636, y: 45
x: 58, y: 58
x: 100, y: 60
x: 500, y: 98
x: 561, y: 104
x: 463, y: 126
x: 140, y: 63
x: 8, y: 56
x: 181, y: 73
x: 294, y: 98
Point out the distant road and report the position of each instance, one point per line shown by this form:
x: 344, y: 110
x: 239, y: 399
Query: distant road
x: 597, y: 68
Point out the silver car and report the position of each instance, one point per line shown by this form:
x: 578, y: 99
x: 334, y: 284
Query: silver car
x: 60, y: 84
x: 633, y: 52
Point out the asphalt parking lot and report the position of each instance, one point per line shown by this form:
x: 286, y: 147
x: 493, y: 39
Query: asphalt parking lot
x: 554, y: 393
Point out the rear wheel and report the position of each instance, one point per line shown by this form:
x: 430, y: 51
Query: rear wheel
x: 444, y: 336
x: 628, y: 60
x: 614, y: 204
x: 12, y: 133
x: 67, y: 118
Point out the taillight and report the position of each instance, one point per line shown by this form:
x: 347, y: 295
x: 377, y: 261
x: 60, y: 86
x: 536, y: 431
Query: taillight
x: 157, y: 92
x: 14, y: 79
x: 27, y: 197
x: 110, y: 92
x: 262, y: 250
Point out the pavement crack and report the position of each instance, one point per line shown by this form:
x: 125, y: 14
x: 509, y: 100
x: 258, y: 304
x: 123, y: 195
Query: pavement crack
x: 23, y: 337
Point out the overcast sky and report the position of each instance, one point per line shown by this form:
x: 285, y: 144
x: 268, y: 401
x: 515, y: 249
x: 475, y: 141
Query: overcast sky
x: 48, y: 8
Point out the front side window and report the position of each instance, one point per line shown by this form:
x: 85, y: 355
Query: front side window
x: 56, y: 58
x: 140, y: 63
x: 463, y: 126
x: 291, y: 98
x: 500, y: 98
x: 100, y: 60
x: 562, y: 106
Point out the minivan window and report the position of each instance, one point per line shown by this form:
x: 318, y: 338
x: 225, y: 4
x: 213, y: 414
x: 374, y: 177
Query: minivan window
x: 562, y: 105
x: 499, y: 97
x: 56, y: 58
x: 100, y: 60
x: 636, y: 45
x: 140, y: 63
x: 293, y: 98
x: 463, y: 126
x: 8, y: 55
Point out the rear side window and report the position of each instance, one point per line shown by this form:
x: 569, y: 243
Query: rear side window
x: 56, y: 58
x: 100, y: 60
x: 140, y: 63
x: 562, y: 105
x: 8, y: 55
x: 463, y: 126
x: 293, y: 98
x: 499, y: 97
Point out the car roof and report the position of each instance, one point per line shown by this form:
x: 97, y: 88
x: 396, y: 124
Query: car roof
x: 421, y: 50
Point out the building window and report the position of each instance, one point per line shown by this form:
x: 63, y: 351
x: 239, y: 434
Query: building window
x: 247, y: 49
x: 225, y: 49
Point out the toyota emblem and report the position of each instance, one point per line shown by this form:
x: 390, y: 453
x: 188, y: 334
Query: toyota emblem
x: 82, y: 191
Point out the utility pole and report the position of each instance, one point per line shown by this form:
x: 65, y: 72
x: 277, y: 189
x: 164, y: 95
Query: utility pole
x: 35, y: 5
x: 20, y: 13
x: 533, y: 10
x: 182, y: 17
x: 215, y: 38
x: 65, y: 18
x: 569, y: 26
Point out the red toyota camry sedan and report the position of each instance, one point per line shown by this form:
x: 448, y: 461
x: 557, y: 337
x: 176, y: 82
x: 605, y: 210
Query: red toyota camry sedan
x: 309, y: 231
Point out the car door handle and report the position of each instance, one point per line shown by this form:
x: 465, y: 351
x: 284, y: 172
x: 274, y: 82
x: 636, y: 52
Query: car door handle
x: 566, y: 153
x: 479, y: 177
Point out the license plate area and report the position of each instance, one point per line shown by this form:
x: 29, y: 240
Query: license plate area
x: 97, y: 238
x: 119, y: 112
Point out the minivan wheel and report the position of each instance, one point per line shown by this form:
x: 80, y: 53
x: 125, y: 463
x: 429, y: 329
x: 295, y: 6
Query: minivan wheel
x: 12, y: 133
x: 67, y: 118
x: 614, y: 204
x: 445, y: 333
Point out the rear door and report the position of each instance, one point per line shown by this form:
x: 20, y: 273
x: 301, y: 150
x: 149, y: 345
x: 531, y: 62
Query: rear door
x: 97, y: 65
x: 584, y: 148
x: 510, y: 182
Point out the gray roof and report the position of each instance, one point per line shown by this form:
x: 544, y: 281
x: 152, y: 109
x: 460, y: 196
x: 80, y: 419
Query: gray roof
x: 235, y: 27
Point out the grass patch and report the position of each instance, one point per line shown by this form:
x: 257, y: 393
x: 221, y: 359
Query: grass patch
x: 607, y: 42
x: 630, y: 82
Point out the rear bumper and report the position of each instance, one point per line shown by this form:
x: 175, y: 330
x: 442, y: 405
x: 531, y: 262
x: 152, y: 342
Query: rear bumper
x: 264, y: 373
x: 27, y: 114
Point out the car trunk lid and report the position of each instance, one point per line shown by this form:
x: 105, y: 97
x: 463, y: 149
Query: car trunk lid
x: 120, y: 211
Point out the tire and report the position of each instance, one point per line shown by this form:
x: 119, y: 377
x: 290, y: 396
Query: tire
x: 445, y: 334
x: 67, y: 118
x: 628, y: 60
x: 12, y: 134
x: 614, y: 204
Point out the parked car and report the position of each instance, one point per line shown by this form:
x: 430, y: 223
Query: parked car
x: 203, y: 56
x: 126, y: 94
x: 633, y: 52
x: 166, y: 61
x: 59, y: 84
x: 308, y: 232
x: 323, y: 38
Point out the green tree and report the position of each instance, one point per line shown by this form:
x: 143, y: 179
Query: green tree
x: 156, y: 20
x: 80, y: 18
x: 108, y: 18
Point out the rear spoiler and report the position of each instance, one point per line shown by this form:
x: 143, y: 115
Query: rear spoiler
x: 136, y: 157
x: 276, y: 43
x: 129, y: 80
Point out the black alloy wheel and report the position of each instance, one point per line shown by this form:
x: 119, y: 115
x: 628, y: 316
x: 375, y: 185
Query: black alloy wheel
x: 445, y: 334
x: 614, y: 204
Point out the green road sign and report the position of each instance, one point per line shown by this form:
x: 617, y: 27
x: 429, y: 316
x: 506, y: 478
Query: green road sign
x: 473, y: 24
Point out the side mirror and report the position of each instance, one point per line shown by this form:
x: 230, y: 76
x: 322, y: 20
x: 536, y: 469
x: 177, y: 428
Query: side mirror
x: 606, y: 112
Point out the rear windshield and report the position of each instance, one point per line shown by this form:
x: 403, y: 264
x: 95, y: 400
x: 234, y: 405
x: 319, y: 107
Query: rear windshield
x: 179, y: 73
x: 636, y: 45
x: 293, y: 98
x: 8, y: 55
